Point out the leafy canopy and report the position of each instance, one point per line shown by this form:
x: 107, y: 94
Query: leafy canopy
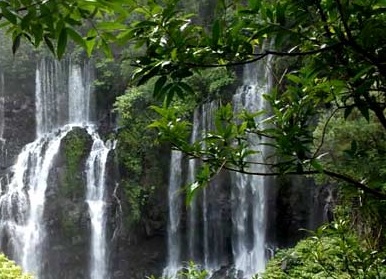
x: 336, y: 50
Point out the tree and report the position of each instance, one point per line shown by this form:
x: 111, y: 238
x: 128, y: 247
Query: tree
x: 337, y: 51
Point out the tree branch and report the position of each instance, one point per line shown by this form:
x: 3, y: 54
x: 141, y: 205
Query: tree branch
x: 324, y: 133
x: 259, y: 56
x: 359, y: 185
x: 342, y: 177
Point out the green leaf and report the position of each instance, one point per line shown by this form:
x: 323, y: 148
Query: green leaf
x: 106, y: 49
x: 76, y: 37
x: 159, y: 84
x: 62, y: 43
x: 316, y: 165
x: 164, y: 90
x: 191, y: 192
x: 90, y: 44
x: 348, y: 111
x: 169, y: 95
x: 49, y: 44
x: 295, y: 79
x: 186, y: 87
x: 215, y: 32
x: 152, y: 72
x: 254, y: 5
x: 9, y: 15
x: 16, y: 43
x: 111, y: 25
x: 365, y: 112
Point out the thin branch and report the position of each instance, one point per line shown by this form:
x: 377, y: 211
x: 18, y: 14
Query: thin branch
x: 22, y: 9
x: 365, y: 188
x: 259, y: 56
x: 324, y: 133
x: 324, y: 19
x: 332, y: 174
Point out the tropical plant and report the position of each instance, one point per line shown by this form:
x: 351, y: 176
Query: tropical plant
x: 9, y: 270
x: 333, y: 251
x: 339, y: 46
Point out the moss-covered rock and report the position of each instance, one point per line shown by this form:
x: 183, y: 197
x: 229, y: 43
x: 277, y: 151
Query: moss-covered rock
x: 76, y: 146
x: 66, y: 212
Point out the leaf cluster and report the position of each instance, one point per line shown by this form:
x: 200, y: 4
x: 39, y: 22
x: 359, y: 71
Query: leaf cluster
x: 333, y: 251
x: 9, y: 270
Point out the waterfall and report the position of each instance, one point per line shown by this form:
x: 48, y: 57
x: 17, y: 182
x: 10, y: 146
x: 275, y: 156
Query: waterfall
x: 2, y: 101
x: 175, y: 207
x: 248, y: 192
x: 231, y: 200
x: 2, y: 118
x: 213, y: 238
x: 22, y: 205
x: 63, y: 91
x: 193, y: 206
x: 95, y: 197
x: 206, y: 219
x: 80, y: 80
x: 63, y: 97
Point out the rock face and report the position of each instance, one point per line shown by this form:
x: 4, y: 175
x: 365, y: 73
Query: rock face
x: 18, y: 114
x: 296, y: 204
x: 66, y: 213
x: 138, y: 249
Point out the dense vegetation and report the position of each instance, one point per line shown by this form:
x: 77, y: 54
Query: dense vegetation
x: 9, y: 270
x: 327, y: 116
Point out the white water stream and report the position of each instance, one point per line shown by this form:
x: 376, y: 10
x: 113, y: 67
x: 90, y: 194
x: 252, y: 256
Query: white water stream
x: 63, y: 94
x: 249, y: 191
x: 175, y: 206
x: 207, y: 225
x: 96, y: 200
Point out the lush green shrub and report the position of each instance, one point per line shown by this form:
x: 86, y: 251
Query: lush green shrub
x: 334, y: 251
x: 9, y: 270
x: 356, y: 147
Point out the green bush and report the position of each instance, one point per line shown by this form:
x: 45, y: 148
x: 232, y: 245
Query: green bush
x: 9, y: 270
x: 333, y: 251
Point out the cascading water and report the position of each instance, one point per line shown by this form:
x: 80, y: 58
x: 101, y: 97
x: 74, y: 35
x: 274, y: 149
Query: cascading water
x: 62, y: 102
x: 95, y: 198
x: 248, y: 192
x: 193, y: 206
x: 209, y: 241
x: 2, y: 116
x: 213, y: 237
x: 175, y: 206
x: 2, y: 101
x: 80, y: 80
x: 23, y: 204
x: 63, y: 93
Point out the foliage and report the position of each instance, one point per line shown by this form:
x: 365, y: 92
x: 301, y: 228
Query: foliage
x: 9, y: 270
x: 338, y: 63
x: 137, y: 150
x: 211, y: 84
x: 355, y: 147
x: 19, y: 66
x: 333, y: 251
